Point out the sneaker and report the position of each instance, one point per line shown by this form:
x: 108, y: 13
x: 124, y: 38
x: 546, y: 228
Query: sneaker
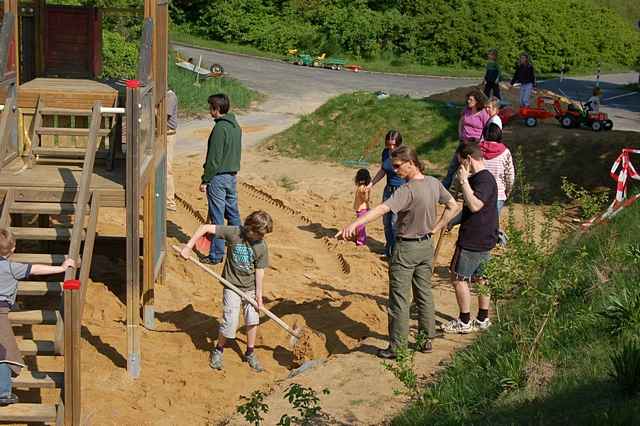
x: 426, y: 347
x: 502, y: 238
x: 216, y: 360
x: 172, y: 207
x: 253, y: 362
x: 481, y: 325
x: 457, y: 326
x: 209, y: 261
x: 8, y: 399
x: 387, y: 353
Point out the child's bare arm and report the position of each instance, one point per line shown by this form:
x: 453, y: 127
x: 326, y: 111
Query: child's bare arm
x: 202, y: 230
x: 259, y: 280
x: 46, y: 269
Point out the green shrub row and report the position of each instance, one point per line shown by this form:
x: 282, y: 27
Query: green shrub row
x: 574, y: 34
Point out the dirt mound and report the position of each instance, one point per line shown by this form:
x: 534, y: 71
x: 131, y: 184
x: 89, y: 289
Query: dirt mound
x: 311, y: 345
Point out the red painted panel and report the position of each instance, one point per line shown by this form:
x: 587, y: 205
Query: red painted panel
x: 72, y: 42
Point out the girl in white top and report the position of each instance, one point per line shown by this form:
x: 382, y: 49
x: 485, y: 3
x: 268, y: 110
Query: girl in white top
x: 492, y: 106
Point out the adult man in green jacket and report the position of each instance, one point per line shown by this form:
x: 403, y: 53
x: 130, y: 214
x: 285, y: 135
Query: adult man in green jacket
x: 220, y: 169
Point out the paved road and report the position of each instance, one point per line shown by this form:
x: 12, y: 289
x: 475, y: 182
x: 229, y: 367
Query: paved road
x: 282, y: 80
x: 622, y: 105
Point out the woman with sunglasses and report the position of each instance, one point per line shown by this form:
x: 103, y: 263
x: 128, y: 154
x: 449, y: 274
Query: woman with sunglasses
x: 392, y: 140
x: 415, y: 203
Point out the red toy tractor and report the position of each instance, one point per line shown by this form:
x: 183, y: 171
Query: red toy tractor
x: 568, y: 118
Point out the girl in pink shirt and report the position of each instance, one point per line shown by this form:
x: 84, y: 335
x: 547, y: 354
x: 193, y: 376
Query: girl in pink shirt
x: 473, y: 118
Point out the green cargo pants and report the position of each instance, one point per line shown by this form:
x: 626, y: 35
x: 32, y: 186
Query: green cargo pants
x: 410, y: 269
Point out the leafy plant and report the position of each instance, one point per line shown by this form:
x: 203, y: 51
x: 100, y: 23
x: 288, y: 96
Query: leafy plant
x: 403, y: 369
x: 590, y: 203
x: 305, y: 401
x: 623, y: 313
x: 626, y: 367
x: 253, y: 409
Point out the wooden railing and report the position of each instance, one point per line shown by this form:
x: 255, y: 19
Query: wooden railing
x: 74, y: 300
x: 8, y: 119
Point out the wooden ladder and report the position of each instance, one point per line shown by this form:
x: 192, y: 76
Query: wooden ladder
x: 36, y: 153
x: 65, y: 320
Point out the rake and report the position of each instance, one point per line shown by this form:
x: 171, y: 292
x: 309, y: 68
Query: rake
x: 295, y: 332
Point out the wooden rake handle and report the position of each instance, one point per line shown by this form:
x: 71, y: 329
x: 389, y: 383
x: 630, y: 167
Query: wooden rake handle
x: 241, y: 293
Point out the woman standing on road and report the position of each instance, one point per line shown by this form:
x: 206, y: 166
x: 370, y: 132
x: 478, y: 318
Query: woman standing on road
x: 392, y: 140
x: 526, y: 77
x: 410, y: 266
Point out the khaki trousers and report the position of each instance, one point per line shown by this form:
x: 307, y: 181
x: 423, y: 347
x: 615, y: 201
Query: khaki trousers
x: 410, y: 275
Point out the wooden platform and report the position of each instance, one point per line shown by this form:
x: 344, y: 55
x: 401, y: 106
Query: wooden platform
x: 66, y: 93
x: 61, y: 183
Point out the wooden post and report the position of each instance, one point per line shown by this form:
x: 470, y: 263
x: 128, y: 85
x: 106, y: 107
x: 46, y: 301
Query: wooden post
x: 133, y: 238
x: 148, y: 279
x: 72, y: 301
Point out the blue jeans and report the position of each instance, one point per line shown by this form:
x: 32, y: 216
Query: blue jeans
x: 389, y: 222
x: 222, y: 198
x: 454, y: 165
x: 5, y: 379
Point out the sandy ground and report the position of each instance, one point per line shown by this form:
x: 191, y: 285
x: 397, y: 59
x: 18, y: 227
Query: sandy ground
x: 313, y: 280
x: 307, y: 283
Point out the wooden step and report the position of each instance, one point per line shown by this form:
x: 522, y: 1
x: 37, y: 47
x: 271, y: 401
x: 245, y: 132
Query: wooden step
x: 44, y: 259
x: 75, y: 153
x: 39, y: 288
x: 43, y: 208
x: 67, y: 131
x: 28, y: 413
x: 40, y: 234
x: 36, y: 347
x: 33, y: 317
x: 37, y: 379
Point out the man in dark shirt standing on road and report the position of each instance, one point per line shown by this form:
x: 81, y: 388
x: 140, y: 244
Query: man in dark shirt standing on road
x: 220, y: 169
x: 477, y: 236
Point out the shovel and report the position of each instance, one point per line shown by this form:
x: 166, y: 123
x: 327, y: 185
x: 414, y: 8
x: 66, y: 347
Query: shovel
x: 294, y: 332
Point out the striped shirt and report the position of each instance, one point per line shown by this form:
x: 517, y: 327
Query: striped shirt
x: 502, y: 169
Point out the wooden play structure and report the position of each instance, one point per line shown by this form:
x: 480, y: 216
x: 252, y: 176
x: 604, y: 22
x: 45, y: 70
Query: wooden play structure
x: 62, y: 158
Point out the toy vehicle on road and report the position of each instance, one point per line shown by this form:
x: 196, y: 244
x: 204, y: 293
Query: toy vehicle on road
x: 571, y: 117
x: 541, y: 111
x: 331, y: 62
x: 581, y: 117
x: 299, y: 58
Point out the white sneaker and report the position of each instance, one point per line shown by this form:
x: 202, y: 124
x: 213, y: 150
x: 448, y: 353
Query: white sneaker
x: 481, y: 325
x: 457, y: 326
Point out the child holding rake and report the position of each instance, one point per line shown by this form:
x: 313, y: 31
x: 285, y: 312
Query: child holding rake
x: 246, y: 259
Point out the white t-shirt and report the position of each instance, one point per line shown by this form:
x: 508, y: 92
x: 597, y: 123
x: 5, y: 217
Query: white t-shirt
x: 594, y: 103
x: 497, y: 120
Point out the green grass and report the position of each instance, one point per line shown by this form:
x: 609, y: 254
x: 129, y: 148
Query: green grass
x: 193, y: 99
x: 352, y: 127
x: 568, y: 378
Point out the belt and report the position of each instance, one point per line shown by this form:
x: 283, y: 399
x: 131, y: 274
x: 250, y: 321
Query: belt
x: 226, y: 173
x: 422, y: 238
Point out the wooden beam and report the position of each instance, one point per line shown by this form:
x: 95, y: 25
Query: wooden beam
x: 87, y: 253
x: 5, y: 218
x: 149, y: 217
x: 72, y: 302
x: 133, y: 230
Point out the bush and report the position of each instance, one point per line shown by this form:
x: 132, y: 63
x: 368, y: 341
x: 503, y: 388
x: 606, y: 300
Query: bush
x: 626, y: 367
x: 119, y: 56
x: 569, y: 34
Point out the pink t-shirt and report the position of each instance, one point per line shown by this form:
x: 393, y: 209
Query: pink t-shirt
x: 473, y: 123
